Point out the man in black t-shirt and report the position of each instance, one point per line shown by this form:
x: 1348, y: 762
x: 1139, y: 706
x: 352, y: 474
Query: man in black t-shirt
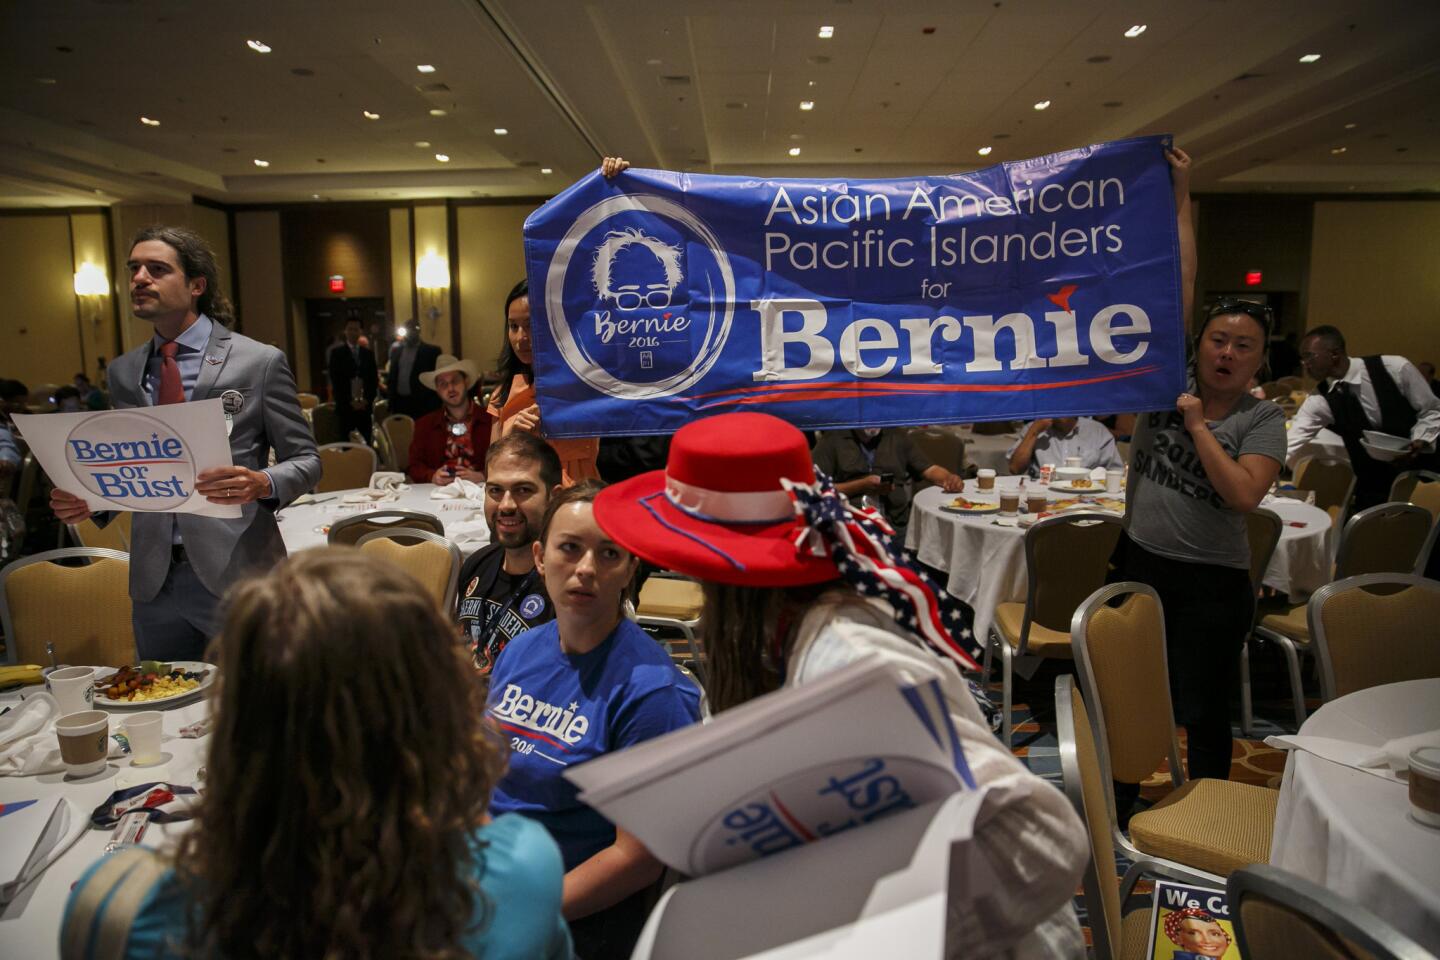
x: 501, y: 593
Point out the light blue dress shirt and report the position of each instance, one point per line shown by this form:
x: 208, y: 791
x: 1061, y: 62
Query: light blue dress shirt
x: 1090, y: 441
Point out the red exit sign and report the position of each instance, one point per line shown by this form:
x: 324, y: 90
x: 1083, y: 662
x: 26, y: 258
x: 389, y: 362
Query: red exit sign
x: 337, y: 284
x: 1253, y: 278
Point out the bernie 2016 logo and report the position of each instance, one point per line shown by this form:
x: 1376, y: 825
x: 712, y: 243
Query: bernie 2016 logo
x: 639, y: 297
x: 153, y: 471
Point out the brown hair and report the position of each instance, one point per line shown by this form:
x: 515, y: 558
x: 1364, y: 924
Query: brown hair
x: 524, y: 445
x: 743, y: 658
x: 583, y: 492
x: 197, y: 260
x: 349, y: 768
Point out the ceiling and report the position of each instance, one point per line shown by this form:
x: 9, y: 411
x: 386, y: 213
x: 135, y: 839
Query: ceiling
x: 901, y: 88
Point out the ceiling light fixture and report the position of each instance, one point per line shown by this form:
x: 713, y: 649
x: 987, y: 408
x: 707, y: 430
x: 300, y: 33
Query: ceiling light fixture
x: 258, y: 46
x: 1042, y: 104
x: 370, y: 116
x: 501, y: 131
x: 422, y: 143
x: 262, y: 163
x: 794, y: 151
x: 1135, y: 31
x: 443, y: 157
x: 424, y: 68
x: 1351, y: 126
x: 546, y: 170
x: 984, y: 151
x: 437, y: 112
x: 1310, y: 58
x: 149, y: 123
x: 1336, y: 151
x: 826, y: 33
x: 807, y: 104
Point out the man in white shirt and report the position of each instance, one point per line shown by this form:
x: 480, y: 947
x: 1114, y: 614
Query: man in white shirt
x: 1384, y: 393
x: 1050, y: 441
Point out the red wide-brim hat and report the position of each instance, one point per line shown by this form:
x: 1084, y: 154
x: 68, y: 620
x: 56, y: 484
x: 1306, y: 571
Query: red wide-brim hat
x: 718, y: 511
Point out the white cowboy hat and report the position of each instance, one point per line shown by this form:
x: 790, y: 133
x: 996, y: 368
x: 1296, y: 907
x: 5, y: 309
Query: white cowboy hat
x: 449, y: 364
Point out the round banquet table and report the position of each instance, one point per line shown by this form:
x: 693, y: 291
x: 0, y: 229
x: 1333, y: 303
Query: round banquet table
x: 1351, y: 831
x: 30, y: 924
x: 306, y: 523
x: 984, y: 562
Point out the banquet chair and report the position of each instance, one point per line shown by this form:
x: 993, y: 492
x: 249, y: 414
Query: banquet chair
x: 399, y: 429
x: 348, y: 530
x: 1375, y: 629
x: 1262, y: 529
x: 1332, y: 479
x: 115, y: 535
x: 941, y: 447
x: 383, y: 453
x: 1404, y: 486
x: 345, y: 466
x: 1386, y: 538
x: 1291, y: 384
x: 428, y: 557
x: 1114, y: 937
x: 1278, y: 915
x: 325, y: 424
x: 672, y: 602
x: 84, y: 611
x: 26, y: 483
x: 1066, y: 560
x: 379, y: 410
x: 1273, y: 389
x: 1207, y: 825
x: 308, y: 401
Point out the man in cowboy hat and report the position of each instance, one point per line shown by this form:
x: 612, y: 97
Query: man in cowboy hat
x: 450, y: 443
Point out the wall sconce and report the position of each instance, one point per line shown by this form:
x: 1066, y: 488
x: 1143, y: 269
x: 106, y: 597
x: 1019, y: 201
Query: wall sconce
x: 432, y: 277
x: 91, y: 285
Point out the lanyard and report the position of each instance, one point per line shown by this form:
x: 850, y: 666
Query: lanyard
x: 492, y: 622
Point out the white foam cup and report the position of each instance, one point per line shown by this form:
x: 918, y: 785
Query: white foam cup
x: 73, y: 688
x: 143, y: 730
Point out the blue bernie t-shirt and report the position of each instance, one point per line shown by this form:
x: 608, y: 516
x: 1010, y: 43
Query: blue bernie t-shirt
x: 559, y: 710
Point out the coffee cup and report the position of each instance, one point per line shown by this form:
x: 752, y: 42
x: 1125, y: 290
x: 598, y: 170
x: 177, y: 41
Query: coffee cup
x: 1036, y: 501
x: 1074, y: 462
x: 985, y: 479
x: 143, y: 730
x: 73, y: 689
x: 84, y: 741
x: 1425, y: 785
x: 1113, y: 479
x: 1009, y: 501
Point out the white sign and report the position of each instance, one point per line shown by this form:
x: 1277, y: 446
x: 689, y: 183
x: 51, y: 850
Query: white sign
x: 143, y: 459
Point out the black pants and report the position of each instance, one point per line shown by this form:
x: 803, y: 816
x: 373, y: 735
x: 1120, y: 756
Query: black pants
x: 352, y: 419
x: 611, y: 934
x: 1208, y: 610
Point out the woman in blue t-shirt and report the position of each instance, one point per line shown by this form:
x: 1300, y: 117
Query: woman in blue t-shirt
x: 588, y: 683
x: 347, y: 784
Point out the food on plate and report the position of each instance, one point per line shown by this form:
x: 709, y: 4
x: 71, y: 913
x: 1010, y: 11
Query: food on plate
x: 149, y: 680
x: 1082, y: 483
x: 960, y: 503
x: 13, y: 675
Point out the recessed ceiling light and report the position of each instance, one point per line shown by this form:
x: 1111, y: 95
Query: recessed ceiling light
x: 437, y: 112
x: 546, y: 170
x: 1351, y: 126
x: 443, y: 157
x: 501, y: 131
x: 1042, y: 104
x: 1336, y: 151
x: 149, y: 123
x: 314, y: 196
x: 370, y: 116
x: 794, y: 151
x: 1310, y: 58
x: 424, y: 68
x: 807, y: 104
x: 984, y: 151
x: 1135, y: 31
x: 262, y: 163
x: 46, y: 81
x: 654, y: 62
x: 826, y: 33
x: 258, y: 46
x: 422, y: 143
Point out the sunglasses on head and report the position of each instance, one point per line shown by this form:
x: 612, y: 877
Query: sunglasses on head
x: 1259, y: 312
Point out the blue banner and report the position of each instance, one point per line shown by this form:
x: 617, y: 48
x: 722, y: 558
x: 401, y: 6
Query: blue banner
x: 1045, y: 287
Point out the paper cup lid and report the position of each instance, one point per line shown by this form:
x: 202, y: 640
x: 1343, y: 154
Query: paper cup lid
x: 1426, y: 760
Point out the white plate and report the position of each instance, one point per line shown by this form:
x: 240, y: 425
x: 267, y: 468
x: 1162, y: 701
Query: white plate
x: 983, y: 509
x: 1384, y: 446
x: 1096, y: 488
x: 190, y: 666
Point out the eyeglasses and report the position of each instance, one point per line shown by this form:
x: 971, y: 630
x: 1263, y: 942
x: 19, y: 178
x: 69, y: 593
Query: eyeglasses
x: 1259, y: 312
x: 630, y: 300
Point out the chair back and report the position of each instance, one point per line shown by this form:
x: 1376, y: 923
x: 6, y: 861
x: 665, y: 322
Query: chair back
x: 115, y: 535
x: 1426, y: 494
x: 308, y: 401
x: 1405, y: 484
x: 325, y: 424
x: 1120, y: 659
x: 993, y: 428
x: 1291, y: 383
x: 399, y: 430
x: 1083, y: 774
x: 27, y: 484
x: 380, y: 410
x: 1332, y: 479
x: 1385, y: 538
x: 345, y: 466
x: 1262, y: 528
x: 1273, y: 389
x: 430, y: 558
x: 941, y: 447
x: 1278, y: 915
x: 383, y: 452
x: 349, y: 530
x: 84, y: 611
x: 1375, y: 629
x: 1066, y: 560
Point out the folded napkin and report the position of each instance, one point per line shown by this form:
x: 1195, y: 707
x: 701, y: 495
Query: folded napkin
x: 37, y: 833
x: 385, y: 487
x: 468, y: 531
x: 28, y: 746
x: 459, y: 489
x: 1387, y: 761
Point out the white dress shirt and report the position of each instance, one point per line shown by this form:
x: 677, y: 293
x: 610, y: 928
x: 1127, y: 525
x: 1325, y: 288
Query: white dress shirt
x: 1314, y: 414
x: 1088, y: 440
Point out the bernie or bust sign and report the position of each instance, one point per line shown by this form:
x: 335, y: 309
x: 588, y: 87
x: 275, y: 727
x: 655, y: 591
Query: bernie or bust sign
x: 1046, y: 287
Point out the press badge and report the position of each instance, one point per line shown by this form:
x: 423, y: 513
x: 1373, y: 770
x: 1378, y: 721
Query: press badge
x: 231, y: 401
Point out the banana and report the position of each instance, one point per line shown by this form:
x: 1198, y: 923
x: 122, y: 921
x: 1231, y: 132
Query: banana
x: 20, y: 674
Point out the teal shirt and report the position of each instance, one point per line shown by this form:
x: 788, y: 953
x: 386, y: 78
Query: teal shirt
x: 520, y: 877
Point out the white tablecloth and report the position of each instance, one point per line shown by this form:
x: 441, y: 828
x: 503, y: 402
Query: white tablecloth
x: 305, y: 525
x: 1301, y: 562
x: 1326, y: 443
x: 30, y: 924
x: 1351, y: 831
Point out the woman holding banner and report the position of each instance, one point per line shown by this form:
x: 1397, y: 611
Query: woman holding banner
x: 1194, y: 473
x: 798, y: 584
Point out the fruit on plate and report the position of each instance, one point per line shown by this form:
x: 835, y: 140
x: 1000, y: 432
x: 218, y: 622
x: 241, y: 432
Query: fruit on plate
x: 18, y: 674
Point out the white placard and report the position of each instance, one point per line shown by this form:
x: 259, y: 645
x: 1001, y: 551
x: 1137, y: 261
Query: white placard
x: 142, y: 459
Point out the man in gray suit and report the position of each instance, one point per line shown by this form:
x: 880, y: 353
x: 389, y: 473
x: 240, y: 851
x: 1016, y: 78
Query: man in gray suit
x: 180, y: 564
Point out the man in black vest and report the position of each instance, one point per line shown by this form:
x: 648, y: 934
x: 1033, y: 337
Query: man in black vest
x: 1366, y: 393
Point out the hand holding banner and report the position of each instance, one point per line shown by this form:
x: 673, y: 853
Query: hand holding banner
x: 143, y: 459
x: 1045, y: 287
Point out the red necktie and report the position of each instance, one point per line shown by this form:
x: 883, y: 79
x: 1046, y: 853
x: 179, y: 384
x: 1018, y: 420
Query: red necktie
x: 171, y: 389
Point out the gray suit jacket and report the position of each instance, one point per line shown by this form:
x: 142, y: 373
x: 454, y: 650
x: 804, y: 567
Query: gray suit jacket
x: 222, y: 551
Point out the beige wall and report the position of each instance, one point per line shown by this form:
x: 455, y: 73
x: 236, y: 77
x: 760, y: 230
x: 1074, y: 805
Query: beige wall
x: 39, y: 327
x: 432, y: 237
x: 1375, y: 274
x: 492, y: 260
x: 402, y: 268
x: 262, y: 276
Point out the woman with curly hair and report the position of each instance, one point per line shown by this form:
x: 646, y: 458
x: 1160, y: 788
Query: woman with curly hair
x: 345, y: 809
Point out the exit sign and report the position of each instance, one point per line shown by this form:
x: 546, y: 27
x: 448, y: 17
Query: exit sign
x: 1253, y: 278
x: 337, y: 283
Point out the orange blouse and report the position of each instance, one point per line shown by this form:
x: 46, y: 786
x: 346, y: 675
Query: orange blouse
x: 577, y: 455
